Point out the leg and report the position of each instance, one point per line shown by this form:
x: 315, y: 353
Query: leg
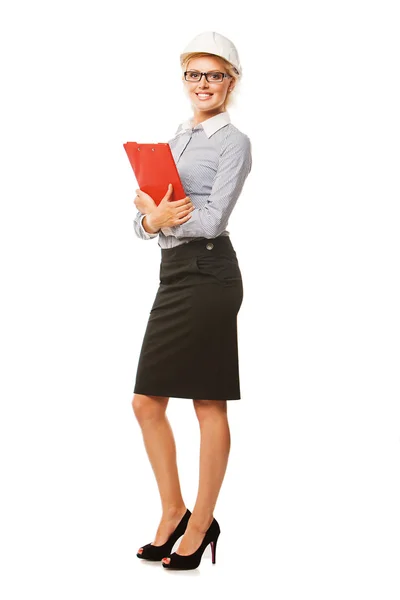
x: 150, y: 412
x: 214, y: 453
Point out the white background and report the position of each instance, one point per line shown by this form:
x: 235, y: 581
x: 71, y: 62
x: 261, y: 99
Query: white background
x: 310, y: 502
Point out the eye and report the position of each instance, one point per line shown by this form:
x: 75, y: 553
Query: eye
x: 193, y: 74
x: 216, y: 76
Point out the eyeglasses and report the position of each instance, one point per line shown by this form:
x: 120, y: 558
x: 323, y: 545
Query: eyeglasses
x: 211, y: 76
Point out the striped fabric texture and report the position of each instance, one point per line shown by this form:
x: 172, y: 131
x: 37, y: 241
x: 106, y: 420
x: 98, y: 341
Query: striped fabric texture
x: 213, y: 161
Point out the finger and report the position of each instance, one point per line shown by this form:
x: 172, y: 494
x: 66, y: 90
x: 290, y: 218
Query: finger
x: 183, y: 213
x: 168, y: 194
x: 182, y: 207
x: 183, y: 219
x: 182, y: 202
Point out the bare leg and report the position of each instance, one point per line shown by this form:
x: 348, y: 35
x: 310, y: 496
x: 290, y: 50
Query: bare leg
x: 214, y: 453
x: 150, y: 412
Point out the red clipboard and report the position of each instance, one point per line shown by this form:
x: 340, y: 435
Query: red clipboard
x: 154, y: 168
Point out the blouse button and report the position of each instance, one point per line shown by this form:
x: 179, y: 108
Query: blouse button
x: 210, y: 246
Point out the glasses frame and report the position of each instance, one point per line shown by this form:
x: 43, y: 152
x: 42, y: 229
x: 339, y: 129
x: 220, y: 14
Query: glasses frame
x: 206, y: 76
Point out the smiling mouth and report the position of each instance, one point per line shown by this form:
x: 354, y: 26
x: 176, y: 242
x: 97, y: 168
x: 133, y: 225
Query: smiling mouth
x: 203, y: 96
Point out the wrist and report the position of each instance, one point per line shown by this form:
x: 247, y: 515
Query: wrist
x: 150, y: 224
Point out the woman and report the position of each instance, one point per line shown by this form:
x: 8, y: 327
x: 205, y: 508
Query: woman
x: 190, y: 344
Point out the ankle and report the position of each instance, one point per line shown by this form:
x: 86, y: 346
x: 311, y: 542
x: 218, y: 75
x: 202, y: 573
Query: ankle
x: 200, y: 522
x: 173, y: 511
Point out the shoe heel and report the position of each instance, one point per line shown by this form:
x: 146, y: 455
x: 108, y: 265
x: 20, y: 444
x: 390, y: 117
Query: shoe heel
x: 213, y: 551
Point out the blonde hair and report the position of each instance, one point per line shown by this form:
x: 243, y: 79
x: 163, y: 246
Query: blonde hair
x: 229, y: 68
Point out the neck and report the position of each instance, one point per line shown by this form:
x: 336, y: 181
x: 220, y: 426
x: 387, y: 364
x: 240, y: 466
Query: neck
x: 203, y: 116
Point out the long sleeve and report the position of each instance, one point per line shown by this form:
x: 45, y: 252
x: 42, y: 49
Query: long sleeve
x: 139, y: 229
x: 211, y: 220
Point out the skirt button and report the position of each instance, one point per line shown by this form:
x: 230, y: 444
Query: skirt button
x: 210, y: 246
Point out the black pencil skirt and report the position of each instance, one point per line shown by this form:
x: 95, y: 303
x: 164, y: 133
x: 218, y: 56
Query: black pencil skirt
x: 190, y: 346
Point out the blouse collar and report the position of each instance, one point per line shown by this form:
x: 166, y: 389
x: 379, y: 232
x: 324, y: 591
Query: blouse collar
x: 210, y: 125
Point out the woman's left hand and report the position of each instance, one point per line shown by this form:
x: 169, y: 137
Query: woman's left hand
x: 144, y: 203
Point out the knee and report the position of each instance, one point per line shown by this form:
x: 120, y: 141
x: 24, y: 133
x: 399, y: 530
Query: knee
x: 148, y: 408
x: 210, y: 409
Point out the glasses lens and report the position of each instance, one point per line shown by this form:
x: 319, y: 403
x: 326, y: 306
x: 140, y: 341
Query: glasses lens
x: 192, y: 76
x: 215, y: 76
x: 212, y: 76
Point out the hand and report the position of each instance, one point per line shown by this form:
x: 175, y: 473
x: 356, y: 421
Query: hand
x: 169, y: 213
x: 144, y: 203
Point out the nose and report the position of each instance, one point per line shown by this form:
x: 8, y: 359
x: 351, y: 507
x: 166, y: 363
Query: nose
x: 205, y: 82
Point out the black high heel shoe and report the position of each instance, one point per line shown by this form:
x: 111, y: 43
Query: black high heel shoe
x: 192, y: 561
x: 151, y: 552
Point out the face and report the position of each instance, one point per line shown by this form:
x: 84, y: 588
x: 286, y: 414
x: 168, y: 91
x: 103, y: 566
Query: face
x: 212, y: 103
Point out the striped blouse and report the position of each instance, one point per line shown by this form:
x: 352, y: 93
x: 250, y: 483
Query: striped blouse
x: 213, y: 160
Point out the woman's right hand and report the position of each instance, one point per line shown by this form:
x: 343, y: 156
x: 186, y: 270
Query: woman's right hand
x: 168, y: 214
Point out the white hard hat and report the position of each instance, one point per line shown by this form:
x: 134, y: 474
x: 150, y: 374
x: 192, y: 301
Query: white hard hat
x: 215, y: 43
